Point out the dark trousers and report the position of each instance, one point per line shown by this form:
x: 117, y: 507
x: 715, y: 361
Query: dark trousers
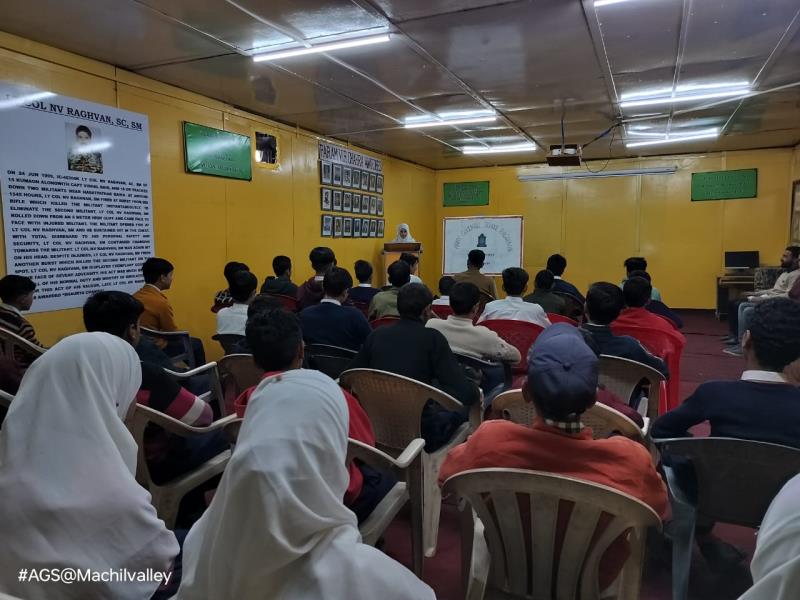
x: 439, y: 424
x: 175, y: 348
x: 733, y: 316
x: 376, y: 485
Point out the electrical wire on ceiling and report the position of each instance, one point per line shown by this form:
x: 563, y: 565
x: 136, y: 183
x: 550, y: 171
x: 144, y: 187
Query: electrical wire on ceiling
x: 613, y: 130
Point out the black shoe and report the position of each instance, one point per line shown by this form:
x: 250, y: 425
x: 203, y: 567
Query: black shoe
x: 721, y: 556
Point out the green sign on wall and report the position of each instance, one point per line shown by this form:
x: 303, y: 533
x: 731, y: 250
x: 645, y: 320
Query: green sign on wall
x: 212, y: 151
x: 725, y: 185
x: 466, y: 193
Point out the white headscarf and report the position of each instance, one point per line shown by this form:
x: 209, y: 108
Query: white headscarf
x: 68, y: 493
x: 776, y: 563
x: 408, y: 239
x: 277, y: 527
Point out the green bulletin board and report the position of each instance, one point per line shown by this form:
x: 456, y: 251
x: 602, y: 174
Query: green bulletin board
x: 725, y: 185
x: 466, y: 193
x: 212, y: 151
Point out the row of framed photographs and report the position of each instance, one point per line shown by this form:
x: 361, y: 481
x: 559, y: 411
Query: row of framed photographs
x: 337, y: 226
x: 348, y: 177
x: 350, y: 202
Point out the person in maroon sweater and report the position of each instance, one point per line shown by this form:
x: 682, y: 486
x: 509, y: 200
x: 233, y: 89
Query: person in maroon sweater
x: 311, y: 293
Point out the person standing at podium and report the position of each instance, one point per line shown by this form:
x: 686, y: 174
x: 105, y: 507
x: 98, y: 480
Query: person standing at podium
x: 403, y: 235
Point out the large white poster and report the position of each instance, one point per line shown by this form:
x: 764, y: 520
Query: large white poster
x: 500, y: 238
x: 76, y: 195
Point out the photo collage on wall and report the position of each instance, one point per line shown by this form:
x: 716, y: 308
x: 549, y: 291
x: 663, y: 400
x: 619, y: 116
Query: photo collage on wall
x: 351, y: 186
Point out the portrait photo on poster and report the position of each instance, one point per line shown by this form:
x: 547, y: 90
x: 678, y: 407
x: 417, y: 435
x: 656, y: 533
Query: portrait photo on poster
x: 347, y: 202
x: 327, y: 226
x: 337, y: 174
x: 356, y: 203
x: 379, y: 184
x: 356, y: 179
x: 347, y: 177
x: 364, y: 227
x: 373, y: 227
x: 337, y: 227
x: 364, y: 181
x: 365, y: 204
x: 84, y: 148
x: 325, y: 172
x: 381, y: 227
x: 380, y: 207
x: 373, y: 205
x: 337, y: 200
x: 372, y: 182
x: 348, y: 227
x: 325, y: 198
x: 356, y: 227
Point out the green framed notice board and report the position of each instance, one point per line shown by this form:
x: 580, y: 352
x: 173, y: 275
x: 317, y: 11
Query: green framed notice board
x: 466, y: 193
x: 725, y: 185
x: 212, y: 151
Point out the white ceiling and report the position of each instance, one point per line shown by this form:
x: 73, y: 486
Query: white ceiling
x: 532, y: 61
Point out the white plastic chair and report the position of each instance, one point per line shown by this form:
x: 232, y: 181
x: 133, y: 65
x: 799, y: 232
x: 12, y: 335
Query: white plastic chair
x: 620, y: 376
x: 12, y: 345
x: 186, y: 357
x: 215, y: 392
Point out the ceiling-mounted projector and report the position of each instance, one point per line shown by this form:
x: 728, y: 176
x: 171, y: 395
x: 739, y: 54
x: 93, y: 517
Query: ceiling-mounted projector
x: 564, y: 155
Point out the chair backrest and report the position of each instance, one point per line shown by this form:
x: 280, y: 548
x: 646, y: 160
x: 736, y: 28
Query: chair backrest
x: 621, y: 376
x: 442, y: 310
x: 511, y: 406
x: 521, y: 512
x: 383, y: 321
x: 186, y: 357
x: 519, y: 334
x: 573, y: 307
x: 556, y: 318
x: 663, y: 346
x: 237, y: 373
x: 331, y: 360
x: 228, y: 341
x: 393, y: 404
x: 12, y: 346
x: 289, y: 302
x: 736, y: 479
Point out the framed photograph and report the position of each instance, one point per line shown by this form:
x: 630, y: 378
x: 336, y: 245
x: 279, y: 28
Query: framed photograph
x: 356, y: 179
x: 364, y: 181
x: 337, y: 175
x: 325, y: 172
x: 356, y: 203
x: 380, y: 207
x: 325, y: 198
x: 356, y: 227
x: 373, y: 227
x: 364, y: 227
x: 365, y: 204
x: 379, y: 184
x: 381, y: 225
x: 347, y: 202
x: 347, y: 227
x: 337, y: 227
x: 337, y: 200
x: 372, y: 179
x: 347, y: 177
x: 373, y: 205
x: 327, y: 226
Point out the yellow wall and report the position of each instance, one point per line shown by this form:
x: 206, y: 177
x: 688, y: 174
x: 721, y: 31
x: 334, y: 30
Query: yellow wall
x: 202, y: 222
x: 597, y: 223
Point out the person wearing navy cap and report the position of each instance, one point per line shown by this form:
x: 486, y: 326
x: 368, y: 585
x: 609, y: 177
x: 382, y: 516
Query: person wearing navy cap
x: 562, y: 385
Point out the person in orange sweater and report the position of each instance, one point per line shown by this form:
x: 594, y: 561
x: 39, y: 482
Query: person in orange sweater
x: 562, y: 384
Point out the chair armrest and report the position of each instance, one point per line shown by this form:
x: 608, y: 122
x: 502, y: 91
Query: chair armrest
x: 178, y: 427
x: 480, y: 562
x: 379, y: 459
x: 196, y: 371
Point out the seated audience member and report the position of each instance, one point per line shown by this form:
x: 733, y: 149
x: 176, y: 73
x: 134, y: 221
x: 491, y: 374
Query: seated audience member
x: 657, y: 307
x: 277, y: 527
x: 557, y: 264
x: 158, y: 315
x: 223, y: 298
x: 446, y: 284
x: 604, y: 303
x: 282, y: 282
x: 543, y: 294
x: 232, y: 320
x: 16, y: 293
x: 562, y: 383
x: 513, y: 307
x: 776, y: 563
x: 364, y: 292
x: 633, y: 266
x: 168, y: 456
x: 277, y: 342
x: 475, y: 262
x: 636, y: 293
x: 412, y: 260
x: 260, y: 304
x: 384, y: 304
x: 68, y: 492
x: 331, y: 323
x: 410, y: 349
x: 310, y: 293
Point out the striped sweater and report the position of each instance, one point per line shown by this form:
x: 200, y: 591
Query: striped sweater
x: 12, y: 320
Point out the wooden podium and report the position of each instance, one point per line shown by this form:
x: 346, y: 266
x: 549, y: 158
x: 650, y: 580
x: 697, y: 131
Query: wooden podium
x: 391, y: 252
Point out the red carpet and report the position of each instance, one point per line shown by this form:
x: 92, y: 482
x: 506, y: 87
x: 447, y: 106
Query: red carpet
x: 702, y: 360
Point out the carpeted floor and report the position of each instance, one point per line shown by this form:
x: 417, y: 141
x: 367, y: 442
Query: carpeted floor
x: 702, y: 361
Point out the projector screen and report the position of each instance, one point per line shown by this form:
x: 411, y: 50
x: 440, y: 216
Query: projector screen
x: 500, y: 238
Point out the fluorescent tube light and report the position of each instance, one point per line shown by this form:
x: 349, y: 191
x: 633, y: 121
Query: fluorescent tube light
x: 687, y: 87
x: 523, y: 147
x: 673, y: 140
x: 353, y: 43
x: 599, y: 3
x: 679, y: 99
x: 601, y: 174
x: 441, y: 122
x: 662, y: 135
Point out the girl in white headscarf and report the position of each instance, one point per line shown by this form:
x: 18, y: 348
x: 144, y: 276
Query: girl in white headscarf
x: 277, y: 527
x: 403, y: 235
x: 68, y: 493
x: 776, y: 563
